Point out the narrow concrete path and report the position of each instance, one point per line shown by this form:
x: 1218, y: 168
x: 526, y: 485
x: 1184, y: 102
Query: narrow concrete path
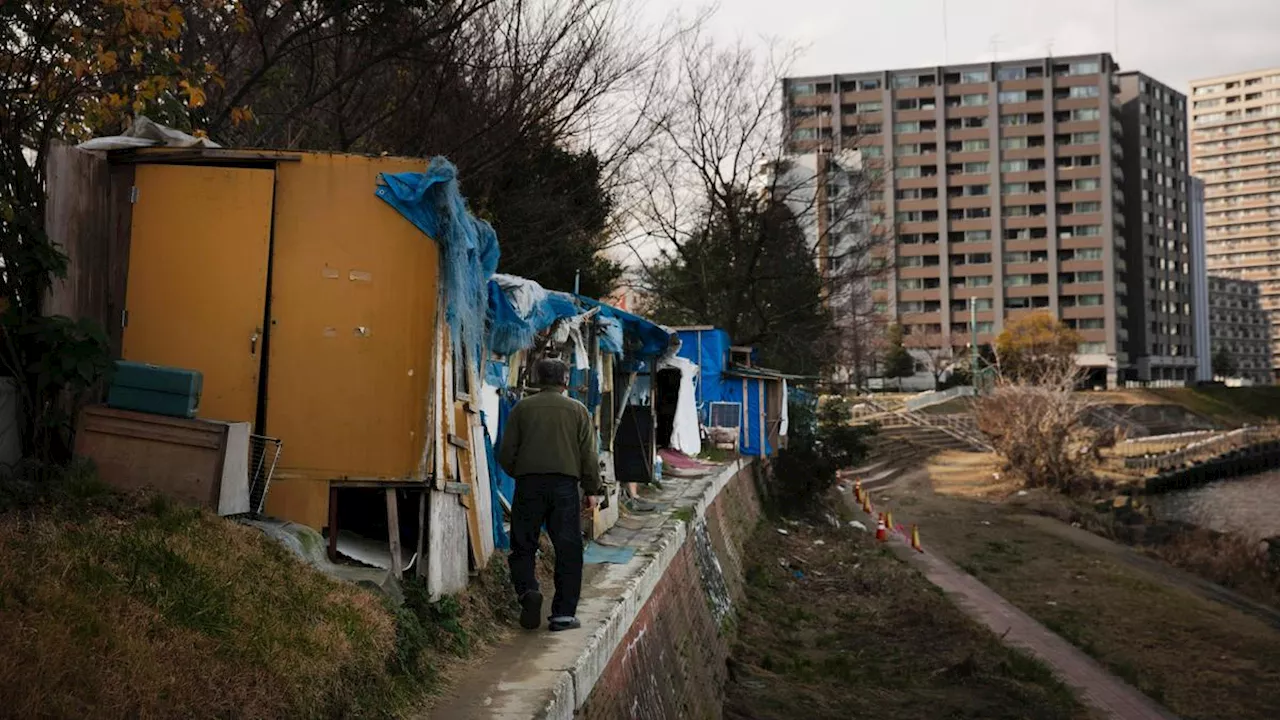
x: 1110, y: 696
x: 1094, y: 685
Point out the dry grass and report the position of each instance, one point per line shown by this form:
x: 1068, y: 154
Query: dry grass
x: 124, y: 611
x: 845, y: 630
x: 970, y: 475
x: 1199, y: 658
x: 1229, y: 560
x: 177, y: 614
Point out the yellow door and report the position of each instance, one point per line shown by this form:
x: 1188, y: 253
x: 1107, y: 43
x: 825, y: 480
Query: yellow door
x: 196, y: 292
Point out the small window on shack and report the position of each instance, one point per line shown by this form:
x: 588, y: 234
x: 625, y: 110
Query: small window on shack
x: 726, y: 414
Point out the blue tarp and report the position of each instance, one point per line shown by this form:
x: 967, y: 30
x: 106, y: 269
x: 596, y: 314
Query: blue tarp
x: 432, y: 201
x: 643, y: 338
x: 500, y: 483
x: 716, y: 383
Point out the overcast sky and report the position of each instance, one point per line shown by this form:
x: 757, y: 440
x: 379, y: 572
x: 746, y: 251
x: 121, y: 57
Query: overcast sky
x: 1174, y: 41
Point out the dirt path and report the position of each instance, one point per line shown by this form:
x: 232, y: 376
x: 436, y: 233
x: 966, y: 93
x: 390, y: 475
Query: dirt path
x: 1096, y: 687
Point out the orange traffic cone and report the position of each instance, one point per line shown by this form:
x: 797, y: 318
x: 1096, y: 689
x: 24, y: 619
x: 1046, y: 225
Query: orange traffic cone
x: 915, y: 539
x: 882, y: 533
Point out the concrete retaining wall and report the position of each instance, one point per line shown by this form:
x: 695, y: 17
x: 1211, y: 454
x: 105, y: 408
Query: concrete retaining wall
x: 670, y: 661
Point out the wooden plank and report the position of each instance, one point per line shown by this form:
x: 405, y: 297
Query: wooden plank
x: 458, y: 442
x: 447, y: 559
x: 457, y: 488
x: 393, y: 533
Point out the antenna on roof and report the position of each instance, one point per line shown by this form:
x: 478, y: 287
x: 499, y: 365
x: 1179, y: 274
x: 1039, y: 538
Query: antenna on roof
x: 946, y: 48
x: 1115, y: 26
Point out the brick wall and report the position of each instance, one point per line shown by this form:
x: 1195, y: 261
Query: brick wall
x: 671, y: 663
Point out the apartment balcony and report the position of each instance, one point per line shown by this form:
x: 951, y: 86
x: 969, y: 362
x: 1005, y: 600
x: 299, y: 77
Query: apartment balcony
x: 1075, y: 196
x: 857, y: 96
x: 930, y: 113
x: 962, y: 134
x: 1021, y: 291
x: 1068, y: 149
x: 969, y: 201
x: 1080, y: 173
x: 1029, y: 153
x: 925, y: 91
x: 1030, y: 130
x: 1026, y: 222
x: 810, y: 100
x: 1070, y: 266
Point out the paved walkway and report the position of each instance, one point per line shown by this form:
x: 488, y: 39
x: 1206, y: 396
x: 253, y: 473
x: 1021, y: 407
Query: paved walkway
x: 1093, y: 684
x: 549, y: 675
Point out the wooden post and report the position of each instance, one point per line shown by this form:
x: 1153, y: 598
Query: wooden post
x: 393, y: 533
x: 764, y: 416
x: 333, y: 522
x: 421, y: 567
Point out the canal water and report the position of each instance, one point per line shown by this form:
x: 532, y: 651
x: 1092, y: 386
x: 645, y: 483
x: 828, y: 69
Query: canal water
x: 1248, y: 505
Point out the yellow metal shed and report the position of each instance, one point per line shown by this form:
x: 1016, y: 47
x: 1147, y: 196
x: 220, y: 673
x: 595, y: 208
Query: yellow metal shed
x: 309, y: 305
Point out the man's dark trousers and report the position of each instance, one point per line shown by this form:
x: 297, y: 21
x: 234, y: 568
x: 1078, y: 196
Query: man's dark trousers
x: 551, y: 500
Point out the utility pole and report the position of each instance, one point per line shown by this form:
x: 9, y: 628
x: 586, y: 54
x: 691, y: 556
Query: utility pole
x: 973, y: 342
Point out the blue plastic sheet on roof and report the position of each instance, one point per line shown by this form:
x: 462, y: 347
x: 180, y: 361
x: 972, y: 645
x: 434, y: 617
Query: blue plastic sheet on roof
x: 509, y: 332
x: 432, y: 201
x: 610, y: 335
x: 651, y: 339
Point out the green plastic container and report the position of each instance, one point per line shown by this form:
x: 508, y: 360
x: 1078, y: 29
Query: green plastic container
x: 174, y: 392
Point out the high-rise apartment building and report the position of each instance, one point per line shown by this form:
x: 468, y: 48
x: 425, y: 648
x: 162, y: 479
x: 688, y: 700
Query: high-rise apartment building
x: 1240, y: 330
x: 1157, y: 230
x: 1004, y: 184
x: 1235, y: 149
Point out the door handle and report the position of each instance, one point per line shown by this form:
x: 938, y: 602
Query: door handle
x: 253, y: 341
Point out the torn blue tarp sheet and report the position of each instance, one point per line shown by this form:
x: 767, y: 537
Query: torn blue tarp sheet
x: 595, y: 553
x: 432, y: 201
x: 644, y: 338
x: 611, y: 340
x: 519, y: 309
x: 500, y: 483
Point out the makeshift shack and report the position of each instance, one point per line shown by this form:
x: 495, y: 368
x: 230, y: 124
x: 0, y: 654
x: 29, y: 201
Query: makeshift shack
x: 335, y: 303
x: 739, y: 404
x: 609, y: 351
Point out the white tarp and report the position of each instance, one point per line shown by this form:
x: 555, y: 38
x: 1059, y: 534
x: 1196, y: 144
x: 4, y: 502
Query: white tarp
x: 523, y: 293
x: 146, y: 133
x: 782, y: 431
x: 684, y: 429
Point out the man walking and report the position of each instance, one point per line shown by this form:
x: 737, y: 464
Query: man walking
x: 549, y: 447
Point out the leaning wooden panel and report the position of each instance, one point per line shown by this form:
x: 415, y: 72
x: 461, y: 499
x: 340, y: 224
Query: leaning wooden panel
x: 353, y: 302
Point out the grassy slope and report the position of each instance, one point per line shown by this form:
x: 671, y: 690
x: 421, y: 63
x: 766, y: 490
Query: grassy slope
x: 1229, y: 406
x: 117, y: 610
x: 1199, y: 658
x: 862, y: 635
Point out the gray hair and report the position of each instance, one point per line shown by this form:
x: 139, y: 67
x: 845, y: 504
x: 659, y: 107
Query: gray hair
x: 551, y: 372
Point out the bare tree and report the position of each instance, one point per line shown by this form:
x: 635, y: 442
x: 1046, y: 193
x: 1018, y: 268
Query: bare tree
x: 724, y: 212
x: 1040, y: 426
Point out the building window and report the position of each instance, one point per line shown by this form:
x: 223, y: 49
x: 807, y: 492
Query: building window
x: 973, y: 99
x: 1010, y: 166
x: 1084, y: 91
x: 1013, y: 96
x: 1092, y: 348
x: 872, y: 150
x: 1011, y: 73
x: 1085, y: 68
x: 869, y: 84
x: 804, y: 134
x: 1015, y: 188
x: 1082, y: 114
x: 977, y: 235
x: 906, y: 127
x: 906, y: 172
x: 1089, y: 300
x: 906, y: 81
x: 974, y: 76
x: 976, y: 145
x: 976, y: 168
x: 804, y: 89
x: 976, y: 122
